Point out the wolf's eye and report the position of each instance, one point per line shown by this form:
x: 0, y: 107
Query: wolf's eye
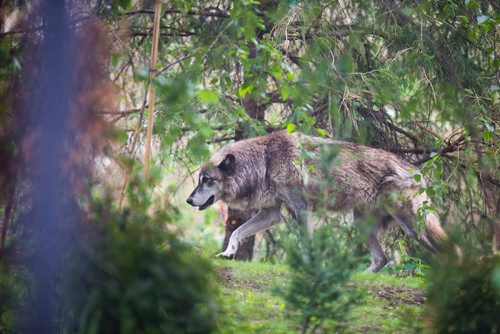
x: 204, y: 179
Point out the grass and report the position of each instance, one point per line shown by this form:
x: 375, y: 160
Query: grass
x: 250, y: 304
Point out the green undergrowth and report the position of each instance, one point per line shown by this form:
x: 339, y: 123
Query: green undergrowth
x: 250, y: 305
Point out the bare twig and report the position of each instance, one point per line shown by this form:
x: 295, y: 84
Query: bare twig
x: 173, y: 63
x: 426, y: 129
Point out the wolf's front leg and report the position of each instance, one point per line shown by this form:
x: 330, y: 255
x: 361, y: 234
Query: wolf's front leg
x: 264, y: 219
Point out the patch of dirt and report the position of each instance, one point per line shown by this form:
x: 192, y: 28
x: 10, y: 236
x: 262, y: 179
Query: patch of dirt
x: 399, y: 295
x: 225, y: 273
x: 230, y: 281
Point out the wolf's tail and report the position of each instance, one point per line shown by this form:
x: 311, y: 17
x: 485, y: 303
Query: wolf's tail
x: 433, y: 227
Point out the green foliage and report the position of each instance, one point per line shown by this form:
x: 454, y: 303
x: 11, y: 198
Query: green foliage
x: 242, y: 68
x: 464, y: 294
x: 392, y: 305
x: 14, y: 282
x: 129, y: 274
x: 112, y: 7
x: 320, y: 274
x: 411, y: 266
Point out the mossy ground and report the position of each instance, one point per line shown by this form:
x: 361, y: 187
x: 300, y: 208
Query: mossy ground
x: 251, y: 305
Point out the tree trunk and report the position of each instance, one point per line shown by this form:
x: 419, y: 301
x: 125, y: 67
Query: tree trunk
x: 256, y: 110
x: 492, y: 198
x: 234, y: 220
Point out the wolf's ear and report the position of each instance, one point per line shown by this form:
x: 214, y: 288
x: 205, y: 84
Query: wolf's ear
x: 227, y: 165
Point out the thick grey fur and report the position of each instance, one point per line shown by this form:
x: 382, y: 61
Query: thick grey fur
x: 281, y: 169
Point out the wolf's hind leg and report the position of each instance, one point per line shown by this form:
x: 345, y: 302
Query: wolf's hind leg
x: 378, y: 257
x: 379, y: 260
x: 264, y: 219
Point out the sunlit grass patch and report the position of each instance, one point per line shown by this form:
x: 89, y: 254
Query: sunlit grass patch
x: 249, y: 304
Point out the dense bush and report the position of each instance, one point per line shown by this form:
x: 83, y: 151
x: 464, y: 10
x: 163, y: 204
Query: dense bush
x: 131, y: 275
x: 464, y: 295
x: 125, y: 272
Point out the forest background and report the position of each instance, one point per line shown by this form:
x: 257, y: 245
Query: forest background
x: 417, y: 78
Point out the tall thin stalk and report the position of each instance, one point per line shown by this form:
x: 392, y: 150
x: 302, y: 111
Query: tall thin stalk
x: 152, y: 76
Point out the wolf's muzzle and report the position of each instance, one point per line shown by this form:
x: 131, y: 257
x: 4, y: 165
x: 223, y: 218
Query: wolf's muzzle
x: 190, y: 201
x: 209, y: 202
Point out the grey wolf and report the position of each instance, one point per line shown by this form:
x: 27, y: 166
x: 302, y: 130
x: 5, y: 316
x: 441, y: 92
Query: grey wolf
x: 300, y: 172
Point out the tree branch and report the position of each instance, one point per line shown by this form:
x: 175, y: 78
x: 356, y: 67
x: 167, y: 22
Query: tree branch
x: 205, y: 12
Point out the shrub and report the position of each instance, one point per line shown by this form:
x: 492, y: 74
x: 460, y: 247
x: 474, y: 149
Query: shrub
x: 464, y: 295
x: 13, y: 294
x: 320, y: 270
x: 131, y: 275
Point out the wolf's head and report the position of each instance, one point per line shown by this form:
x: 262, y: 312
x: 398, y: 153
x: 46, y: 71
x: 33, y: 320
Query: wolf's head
x: 210, y: 187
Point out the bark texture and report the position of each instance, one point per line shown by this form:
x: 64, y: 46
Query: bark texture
x: 234, y: 220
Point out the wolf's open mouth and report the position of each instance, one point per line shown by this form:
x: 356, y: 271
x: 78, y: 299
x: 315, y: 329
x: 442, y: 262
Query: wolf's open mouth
x: 207, y: 203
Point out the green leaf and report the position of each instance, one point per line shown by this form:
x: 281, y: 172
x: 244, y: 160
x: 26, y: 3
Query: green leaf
x: 321, y: 132
x: 125, y: 4
x: 438, y: 143
x: 438, y: 168
x: 285, y: 92
x: 291, y: 127
x: 208, y: 96
x: 417, y: 177
x: 245, y: 89
x: 275, y: 71
x: 120, y: 136
x: 115, y: 58
x: 486, y: 136
x: 289, y: 72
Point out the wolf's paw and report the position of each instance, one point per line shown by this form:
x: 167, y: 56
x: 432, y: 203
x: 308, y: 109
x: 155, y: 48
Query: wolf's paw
x: 228, y: 253
x: 371, y: 269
